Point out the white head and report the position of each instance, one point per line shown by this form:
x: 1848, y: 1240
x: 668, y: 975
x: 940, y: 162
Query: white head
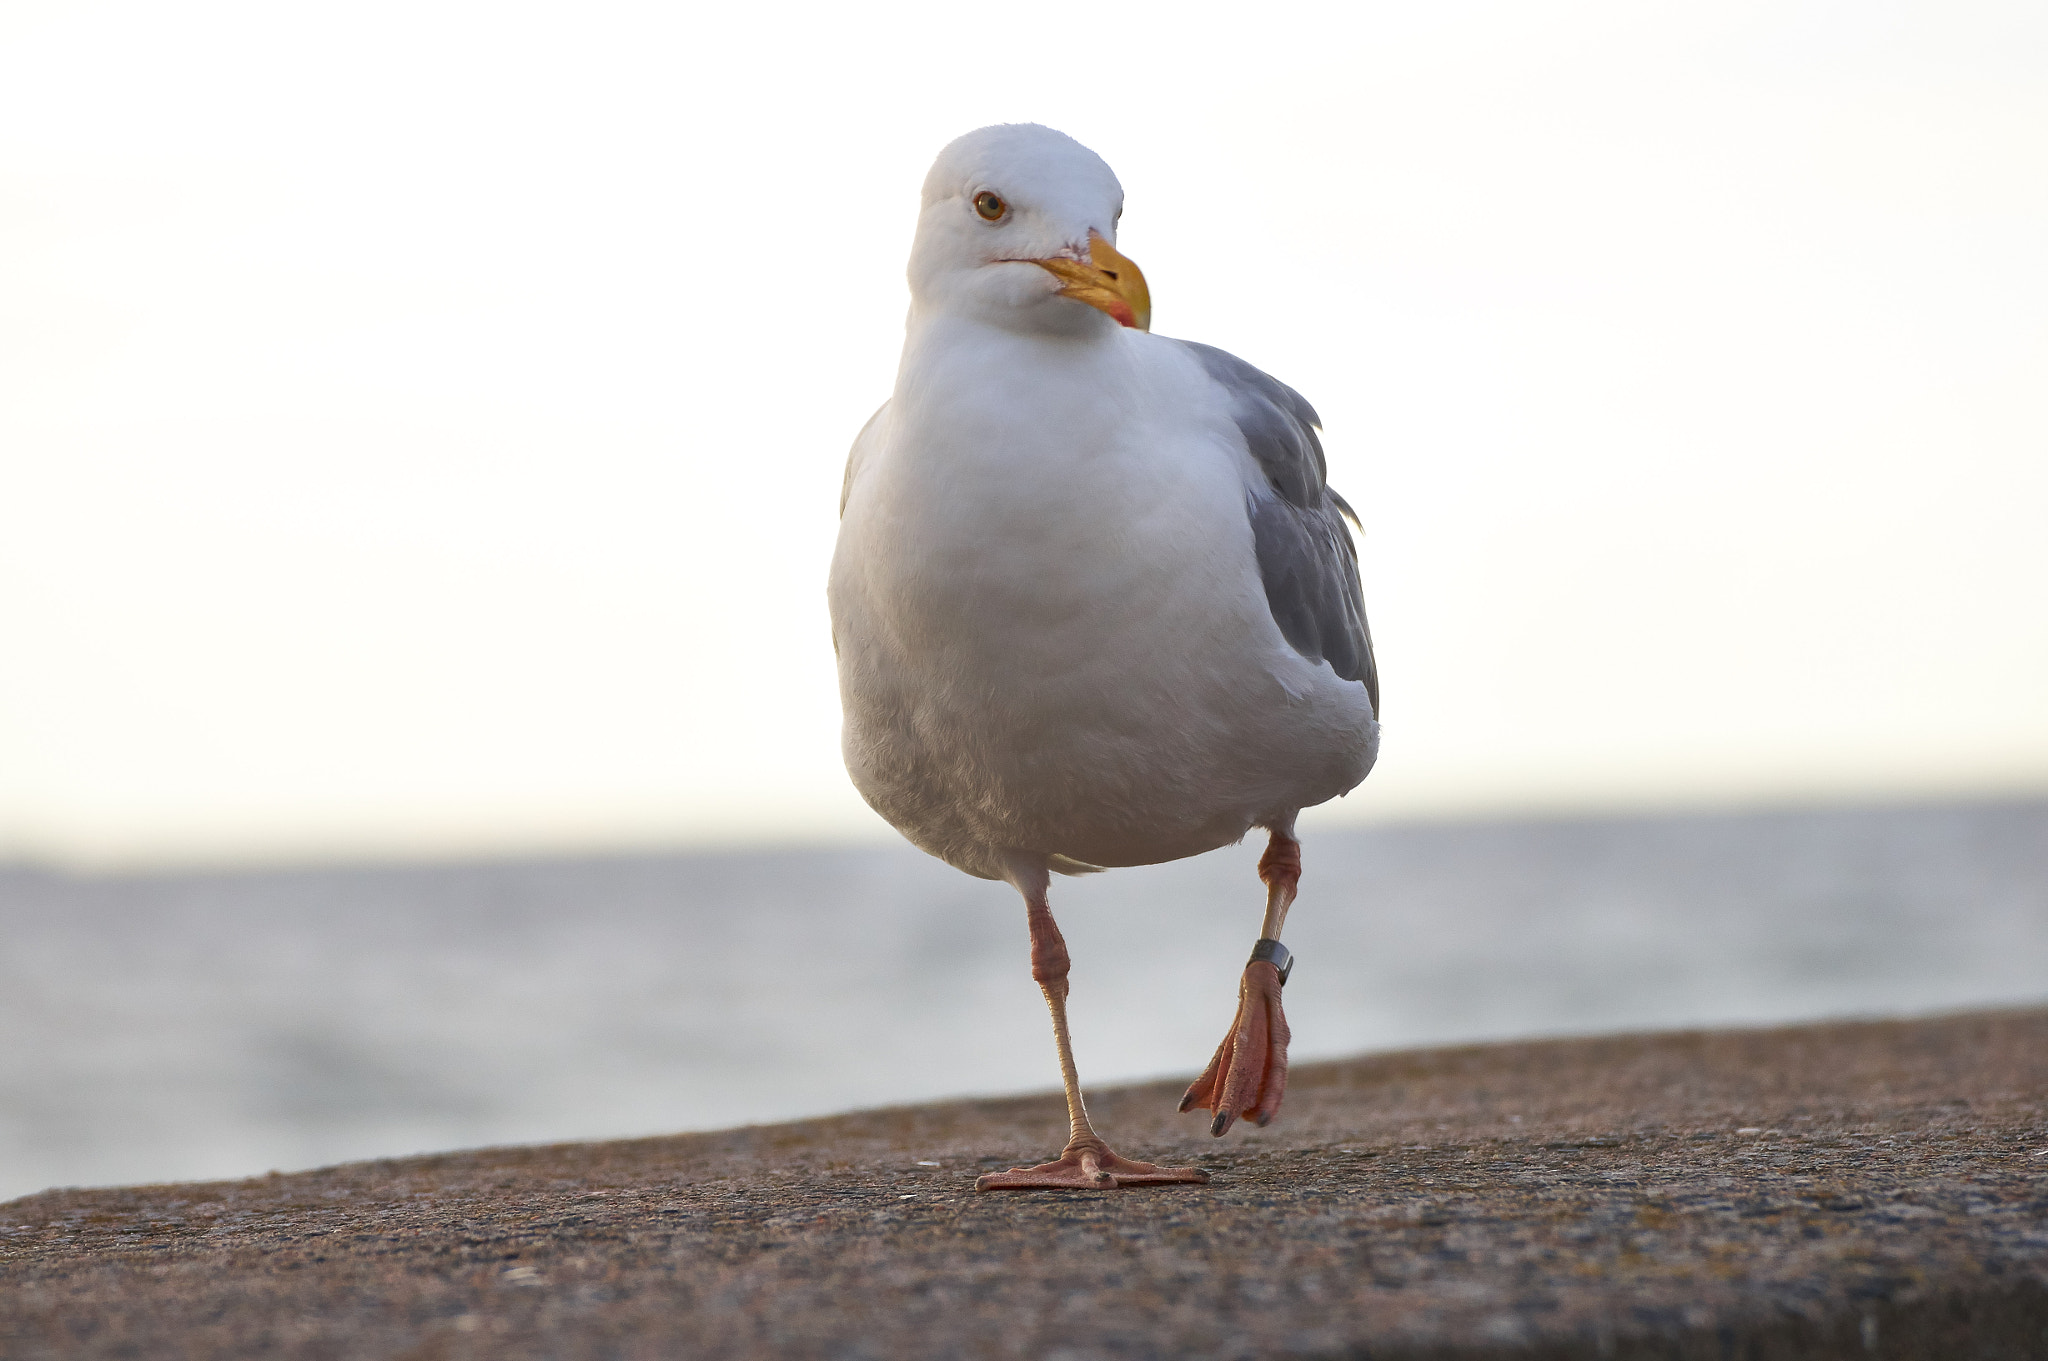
x: 1018, y: 228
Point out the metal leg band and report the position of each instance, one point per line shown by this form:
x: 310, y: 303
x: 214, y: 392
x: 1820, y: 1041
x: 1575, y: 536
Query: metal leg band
x: 1276, y: 954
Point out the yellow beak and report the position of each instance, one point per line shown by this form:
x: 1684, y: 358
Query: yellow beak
x: 1109, y: 283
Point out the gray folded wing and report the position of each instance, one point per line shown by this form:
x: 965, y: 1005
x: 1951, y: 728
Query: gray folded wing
x: 1306, y: 557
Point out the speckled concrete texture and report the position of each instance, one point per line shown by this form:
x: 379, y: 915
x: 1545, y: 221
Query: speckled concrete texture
x: 1853, y: 1190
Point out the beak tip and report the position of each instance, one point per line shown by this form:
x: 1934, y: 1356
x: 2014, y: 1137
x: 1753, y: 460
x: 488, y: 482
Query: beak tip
x: 1106, y: 281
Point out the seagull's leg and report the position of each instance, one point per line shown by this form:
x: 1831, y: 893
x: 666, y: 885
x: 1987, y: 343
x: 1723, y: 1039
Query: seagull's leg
x: 1248, y: 1076
x: 1086, y: 1162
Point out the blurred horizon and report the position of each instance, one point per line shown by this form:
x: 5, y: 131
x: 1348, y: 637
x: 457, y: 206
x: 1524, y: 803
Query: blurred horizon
x: 498, y: 847
x: 421, y: 424
x: 219, y: 1024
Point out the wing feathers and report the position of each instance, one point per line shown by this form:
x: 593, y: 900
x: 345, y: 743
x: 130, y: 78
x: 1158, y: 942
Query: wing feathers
x: 1306, y: 557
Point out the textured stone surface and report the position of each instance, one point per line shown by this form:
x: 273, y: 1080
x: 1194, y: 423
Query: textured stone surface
x: 1841, y: 1190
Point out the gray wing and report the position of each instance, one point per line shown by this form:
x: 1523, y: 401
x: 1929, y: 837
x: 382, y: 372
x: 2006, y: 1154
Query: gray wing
x: 1306, y: 557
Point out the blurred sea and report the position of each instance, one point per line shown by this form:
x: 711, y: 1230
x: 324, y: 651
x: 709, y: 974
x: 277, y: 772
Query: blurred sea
x: 217, y: 1025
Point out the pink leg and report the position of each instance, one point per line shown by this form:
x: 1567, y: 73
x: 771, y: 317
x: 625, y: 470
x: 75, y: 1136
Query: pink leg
x: 1248, y: 1076
x: 1087, y: 1163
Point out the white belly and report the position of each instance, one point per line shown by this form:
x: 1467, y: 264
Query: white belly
x: 1051, y: 630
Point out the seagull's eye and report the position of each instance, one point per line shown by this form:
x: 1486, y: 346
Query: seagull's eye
x: 989, y: 206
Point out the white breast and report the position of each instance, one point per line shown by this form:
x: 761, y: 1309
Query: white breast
x: 1052, y: 634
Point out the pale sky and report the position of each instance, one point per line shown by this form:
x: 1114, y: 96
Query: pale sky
x: 421, y: 424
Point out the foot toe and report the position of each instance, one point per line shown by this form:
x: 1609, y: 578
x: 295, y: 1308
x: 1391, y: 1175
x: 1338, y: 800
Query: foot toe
x: 1089, y: 1169
x: 1248, y: 1076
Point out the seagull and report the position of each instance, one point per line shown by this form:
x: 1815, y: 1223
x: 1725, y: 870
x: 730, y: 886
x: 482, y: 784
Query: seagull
x: 1093, y: 601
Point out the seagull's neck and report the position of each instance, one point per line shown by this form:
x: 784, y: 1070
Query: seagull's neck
x: 944, y: 348
x: 1049, y: 321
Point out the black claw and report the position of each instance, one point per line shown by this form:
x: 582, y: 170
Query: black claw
x: 1219, y: 1124
x: 1263, y: 1119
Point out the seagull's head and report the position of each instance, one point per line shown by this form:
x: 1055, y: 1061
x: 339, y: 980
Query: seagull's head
x: 1018, y: 228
